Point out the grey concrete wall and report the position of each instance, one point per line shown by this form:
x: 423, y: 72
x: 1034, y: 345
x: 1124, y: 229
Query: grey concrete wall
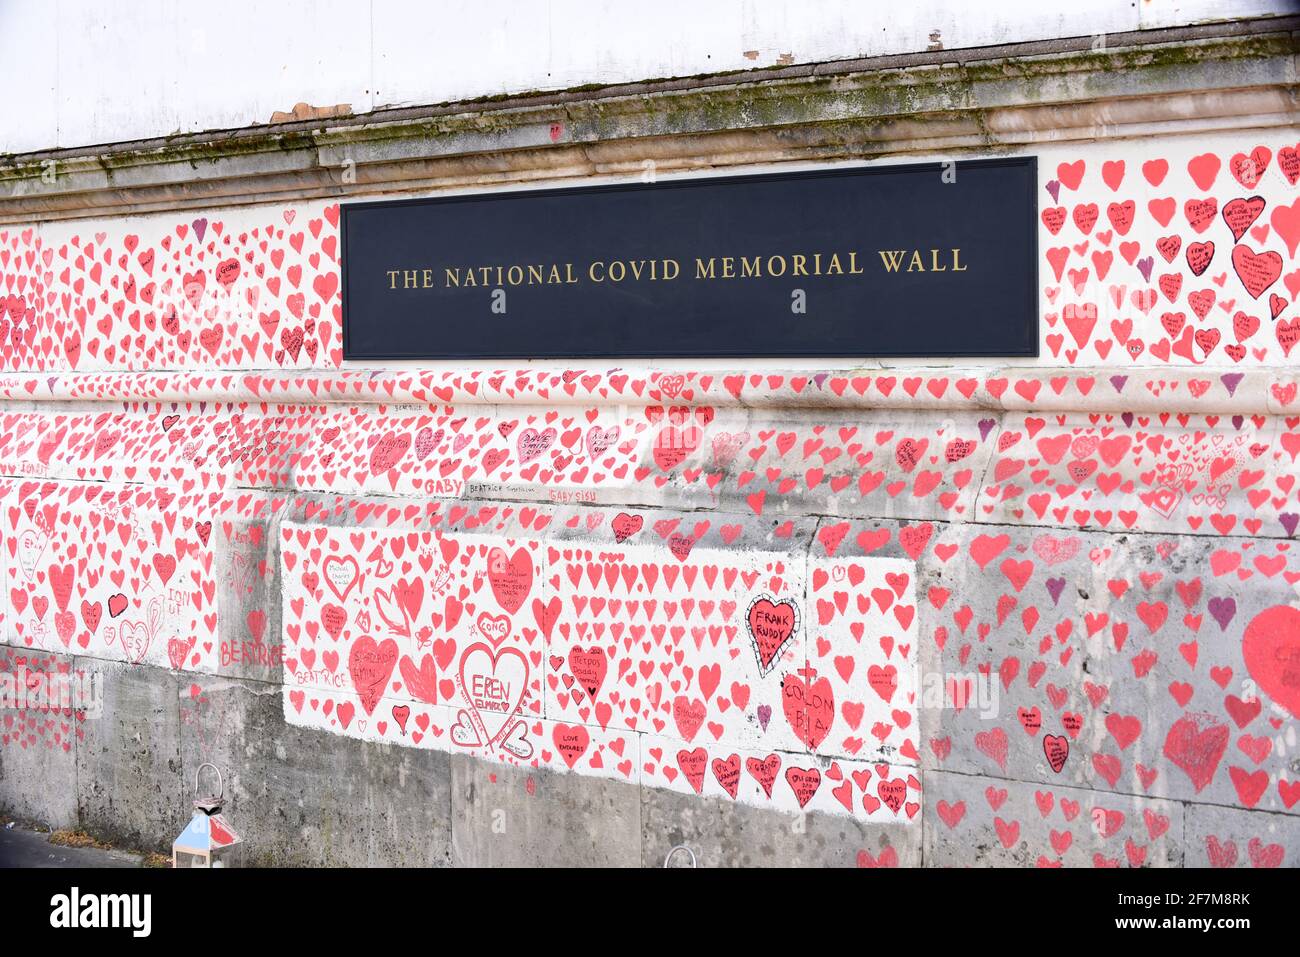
x: 307, y: 799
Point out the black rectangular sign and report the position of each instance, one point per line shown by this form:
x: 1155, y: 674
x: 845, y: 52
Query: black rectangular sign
x: 913, y: 260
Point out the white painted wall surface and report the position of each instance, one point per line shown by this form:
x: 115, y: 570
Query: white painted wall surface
x: 84, y: 72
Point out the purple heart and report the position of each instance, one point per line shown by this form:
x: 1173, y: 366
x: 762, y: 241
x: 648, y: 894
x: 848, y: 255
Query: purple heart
x: 1054, y: 187
x: 1145, y: 265
x: 986, y: 426
x: 1289, y: 520
x: 200, y: 227
x: 1238, y: 421
x: 1119, y: 381
x: 1223, y: 610
x: 764, y: 715
x: 1231, y: 380
x: 1127, y: 419
x: 1054, y: 588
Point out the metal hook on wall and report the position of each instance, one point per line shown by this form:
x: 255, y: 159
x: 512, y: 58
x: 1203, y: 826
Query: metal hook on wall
x: 221, y: 784
x: 209, y: 803
x: 680, y: 847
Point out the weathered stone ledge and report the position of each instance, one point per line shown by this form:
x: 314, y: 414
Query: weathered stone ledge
x: 1188, y: 81
x: 1217, y: 391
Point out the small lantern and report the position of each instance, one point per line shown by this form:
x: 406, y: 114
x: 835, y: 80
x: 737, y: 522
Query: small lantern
x: 208, y: 840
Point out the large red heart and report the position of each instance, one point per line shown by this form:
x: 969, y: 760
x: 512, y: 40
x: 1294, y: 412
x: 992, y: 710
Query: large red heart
x: 387, y: 452
x: 422, y: 681
x: 772, y: 625
x: 810, y: 708
x: 371, y: 664
x: 532, y: 443
x: 571, y: 741
x: 1271, y: 647
x: 589, y: 667
x: 1257, y: 271
x: 511, y: 577
x: 1241, y: 213
x: 342, y: 574
x: 494, y: 685
x: 625, y: 526
x: 1056, y: 748
x: 1196, y: 743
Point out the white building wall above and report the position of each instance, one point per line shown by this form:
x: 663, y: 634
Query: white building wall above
x: 79, y: 73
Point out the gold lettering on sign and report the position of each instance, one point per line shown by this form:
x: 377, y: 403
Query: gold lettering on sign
x: 515, y: 274
x: 892, y: 260
x: 707, y: 268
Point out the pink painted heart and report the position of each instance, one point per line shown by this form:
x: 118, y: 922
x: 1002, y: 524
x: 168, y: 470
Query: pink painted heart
x: 370, y: 665
x: 511, y: 577
x: 772, y: 625
x: 493, y: 682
